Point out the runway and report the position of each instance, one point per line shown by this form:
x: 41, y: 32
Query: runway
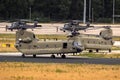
x: 16, y: 57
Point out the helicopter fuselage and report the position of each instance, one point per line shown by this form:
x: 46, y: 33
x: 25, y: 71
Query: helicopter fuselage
x: 29, y: 45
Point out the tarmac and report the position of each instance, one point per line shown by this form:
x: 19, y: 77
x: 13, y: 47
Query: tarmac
x: 54, y: 28
x: 16, y: 57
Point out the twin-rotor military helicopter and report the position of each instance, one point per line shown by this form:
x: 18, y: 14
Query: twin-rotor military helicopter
x: 28, y: 44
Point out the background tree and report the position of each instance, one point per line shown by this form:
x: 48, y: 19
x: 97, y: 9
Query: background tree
x: 57, y: 10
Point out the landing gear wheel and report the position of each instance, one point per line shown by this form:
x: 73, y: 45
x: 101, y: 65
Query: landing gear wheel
x: 97, y: 50
x: 109, y: 50
x: 63, y: 56
x: 90, y: 51
x: 53, y: 56
x: 34, y: 55
x: 11, y: 29
x: 23, y: 55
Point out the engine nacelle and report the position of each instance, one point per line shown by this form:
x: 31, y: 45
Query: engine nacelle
x: 78, y: 46
x: 106, y: 34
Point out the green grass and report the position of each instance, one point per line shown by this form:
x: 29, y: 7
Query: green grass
x: 7, y: 36
x: 115, y: 48
x: 93, y: 55
x: 45, y: 36
x: 100, y: 55
x: 116, y: 38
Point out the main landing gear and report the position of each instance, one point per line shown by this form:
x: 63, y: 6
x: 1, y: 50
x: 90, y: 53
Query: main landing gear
x: 110, y: 51
x: 34, y: 55
x: 62, y: 56
x: 52, y: 56
x: 23, y: 55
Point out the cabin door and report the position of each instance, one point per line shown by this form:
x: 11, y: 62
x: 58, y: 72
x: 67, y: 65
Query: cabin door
x: 65, y: 45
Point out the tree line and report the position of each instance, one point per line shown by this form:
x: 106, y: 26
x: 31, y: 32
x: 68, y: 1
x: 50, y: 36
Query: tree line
x: 58, y: 10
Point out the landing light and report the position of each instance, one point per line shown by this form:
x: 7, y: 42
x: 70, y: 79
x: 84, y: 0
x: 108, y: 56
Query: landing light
x: 20, y: 39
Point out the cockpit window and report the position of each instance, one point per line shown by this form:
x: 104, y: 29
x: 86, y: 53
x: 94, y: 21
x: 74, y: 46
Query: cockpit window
x: 77, y: 43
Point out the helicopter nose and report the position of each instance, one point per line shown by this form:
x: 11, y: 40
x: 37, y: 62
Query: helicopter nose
x: 78, y: 46
x: 16, y: 45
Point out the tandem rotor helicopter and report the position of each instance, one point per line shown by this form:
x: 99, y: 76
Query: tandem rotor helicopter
x: 28, y: 44
x: 22, y: 24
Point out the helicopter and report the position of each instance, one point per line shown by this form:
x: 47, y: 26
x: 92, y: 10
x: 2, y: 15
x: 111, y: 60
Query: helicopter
x: 28, y: 44
x: 73, y: 25
x: 21, y: 24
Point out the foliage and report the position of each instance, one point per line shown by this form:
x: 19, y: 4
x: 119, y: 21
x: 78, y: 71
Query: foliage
x: 100, y: 55
x: 57, y: 10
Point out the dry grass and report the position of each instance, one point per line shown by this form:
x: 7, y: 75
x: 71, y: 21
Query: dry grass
x: 36, y: 71
x: 100, y: 55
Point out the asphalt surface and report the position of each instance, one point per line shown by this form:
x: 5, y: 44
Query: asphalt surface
x: 69, y: 59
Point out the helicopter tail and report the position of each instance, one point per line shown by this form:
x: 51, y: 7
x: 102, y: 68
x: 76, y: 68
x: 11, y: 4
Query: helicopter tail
x: 24, y: 38
x: 106, y: 34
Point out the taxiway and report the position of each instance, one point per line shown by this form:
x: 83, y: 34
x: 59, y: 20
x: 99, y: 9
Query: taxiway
x: 16, y: 57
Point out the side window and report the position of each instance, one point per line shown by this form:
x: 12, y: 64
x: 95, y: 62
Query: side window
x: 33, y: 35
x: 88, y: 42
x: 64, y: 45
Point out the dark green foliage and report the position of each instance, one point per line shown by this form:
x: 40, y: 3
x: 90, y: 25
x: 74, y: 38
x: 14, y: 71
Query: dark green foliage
x: 57, y: 10
x: 14, y: 9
